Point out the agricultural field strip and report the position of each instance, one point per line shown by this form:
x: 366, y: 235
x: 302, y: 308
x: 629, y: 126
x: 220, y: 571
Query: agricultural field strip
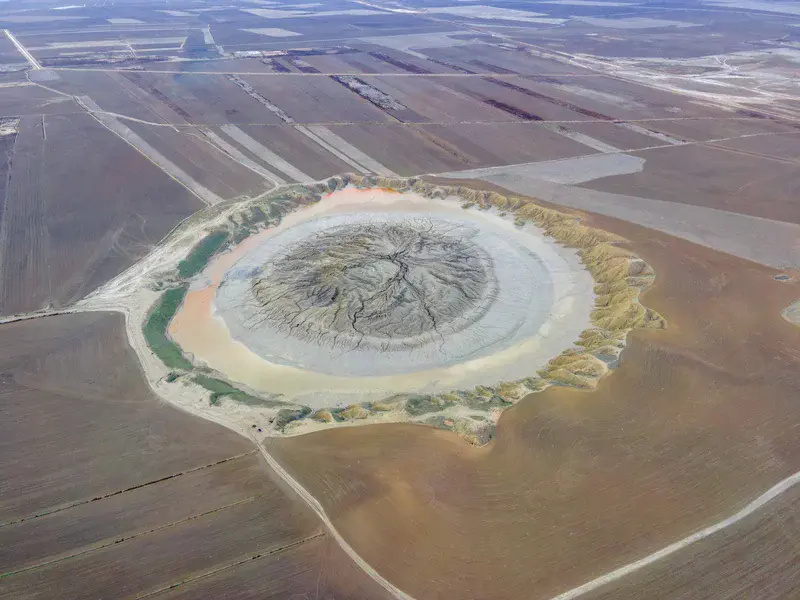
x: 265, y: 154
x: 638, y: 74
x: 499, y: 168
x: 713, y: 144
x: 322, y: 136
x: 115, y: 541
x: 149, y: 152
x: 185, y: 26
x: 631, y: 126
x: 25, y: 210
x: 748, y: 510
x: 312, y: 502
x: 110, y: 43
x: 345, y: 147
x: 221, y: 145
x: 28, y: 56
x: 584, y: 139
x: 412, y: 124
x: 208, y: 38
x: 59, y: 509
x: 326, y: 74
x: 323, y: 144
x: 110, y: 122
x: 250, y: 558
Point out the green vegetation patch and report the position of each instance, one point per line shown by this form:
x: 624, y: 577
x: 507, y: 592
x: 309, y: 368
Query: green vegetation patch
x: 155, y: 330
x: 420, y: 405
x: 481, y: 401
x: 287, y: 415
x: 199, y: 256
x: 220, y: 389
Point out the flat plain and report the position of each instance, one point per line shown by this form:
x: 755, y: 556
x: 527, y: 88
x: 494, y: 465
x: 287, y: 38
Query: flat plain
x: 80, y: 206
x: 86, y: 500
x: 675, y: 126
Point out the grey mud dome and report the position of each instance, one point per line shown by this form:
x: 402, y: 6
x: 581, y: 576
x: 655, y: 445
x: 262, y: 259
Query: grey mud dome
x: 387, y: 285
x: 370, y: 292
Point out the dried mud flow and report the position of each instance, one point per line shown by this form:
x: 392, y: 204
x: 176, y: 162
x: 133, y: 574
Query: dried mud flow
x: 110, y: 493
x: 697, y: 421
x: 317, y: 288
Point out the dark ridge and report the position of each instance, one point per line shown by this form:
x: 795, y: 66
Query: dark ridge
x: 278, y: 67
x: 517, y: 112
x: 342, y: 80
x: 556, y: 101
x: 50, y: 511
x: 77, y: 61
x: 493, y: 68
x: 408, y: 67
x: 321, y: 51
x: 752, y: 114
x: 158, y: 95
x: 302, y: 66
x: 544, y: 79
x: 451, y: 66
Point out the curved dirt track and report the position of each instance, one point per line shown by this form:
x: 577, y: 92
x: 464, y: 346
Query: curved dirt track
x: 317, y: 508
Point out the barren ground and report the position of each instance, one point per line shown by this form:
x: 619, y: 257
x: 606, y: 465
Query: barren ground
x: 110, y: 492
x: 143, y: 496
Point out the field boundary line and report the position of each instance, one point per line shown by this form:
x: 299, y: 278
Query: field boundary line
x: 262, y: 554
x: 123, y: 491
x: 126, y: 538
x: 315, y: 505
x: 621, y: 572
x: 123, y: 132
x: 36, y: 315
x: 22, y: 50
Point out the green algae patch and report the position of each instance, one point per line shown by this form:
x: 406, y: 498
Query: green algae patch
x: 155, y: 330
x: 222, y: 389
x: 200, y: 255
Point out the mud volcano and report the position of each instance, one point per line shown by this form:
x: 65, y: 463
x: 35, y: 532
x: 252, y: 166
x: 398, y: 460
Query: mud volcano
x: 370, y: 293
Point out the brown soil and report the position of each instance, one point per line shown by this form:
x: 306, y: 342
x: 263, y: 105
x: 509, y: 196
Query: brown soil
x: 757, y: 558
x: 108, y: 492
x: 727, y: 179
x: 81, y: 206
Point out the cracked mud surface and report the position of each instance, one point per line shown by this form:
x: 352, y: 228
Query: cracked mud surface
x: 388, y: 286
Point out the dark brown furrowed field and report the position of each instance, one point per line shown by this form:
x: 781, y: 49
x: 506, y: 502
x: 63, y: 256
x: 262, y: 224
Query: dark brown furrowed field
x: 193, y: 152
x: 491, y: 144
x: 315, y: 99
x: 33, y: 101
x: 298, y: 150
x: 81, y: 205
x: 754, y: 559
x: 108, y: 492
x: 716, y: 177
